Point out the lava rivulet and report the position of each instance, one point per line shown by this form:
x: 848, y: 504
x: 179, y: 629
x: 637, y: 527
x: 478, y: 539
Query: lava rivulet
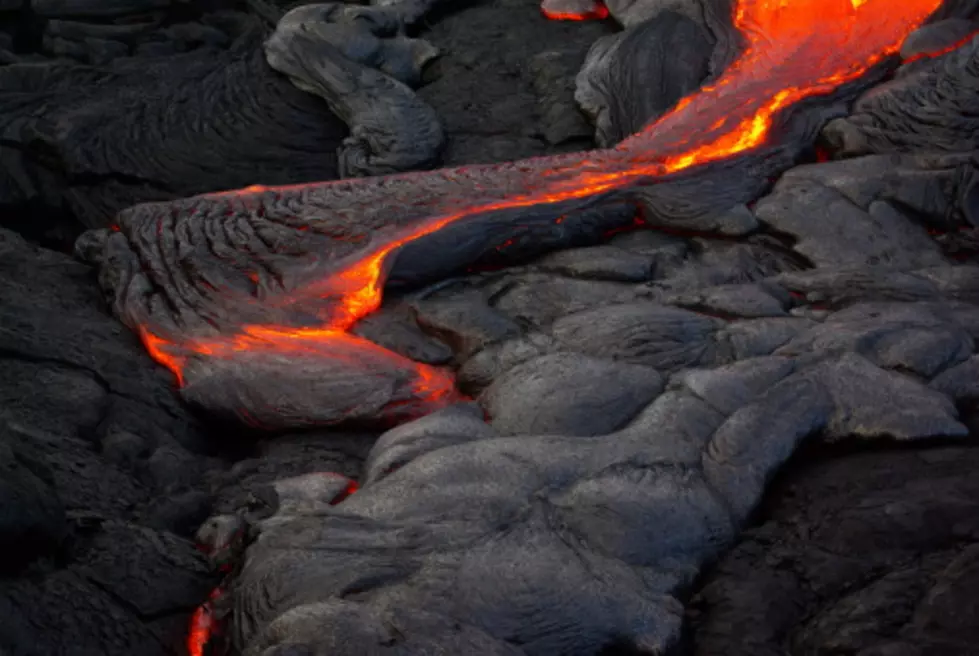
x: 792, y: 50
x: 574, y: 10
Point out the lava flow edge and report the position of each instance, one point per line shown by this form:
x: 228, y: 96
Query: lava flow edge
x: 731, y: 117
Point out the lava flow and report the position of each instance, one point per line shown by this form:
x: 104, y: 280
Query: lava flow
x: 792, y: 50
x: 574, y: 10
x: 203, y: 626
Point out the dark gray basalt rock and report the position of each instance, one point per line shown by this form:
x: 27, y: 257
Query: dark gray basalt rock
x: 623, y: 87
x: 33, y: 522
x: 574, y: 543
x: 151, y: 35
x: 280, y: 248
x: 95, y: 8
x: 465, y: 322
x: 939, y: 190
x: 832, y: 232
x: 832, y: 289
x: 632, y: 428
x: 936, y: 37
x: 456, y: 424
x: 746, y: 301
x: 397, y: 630
x: 250, y: 126
x: 599, y: 262
x: 568, y: 394
x: 906, y: 337
x: 100, y: 44
x: 241, y: 121
x: 97, y: 551
x: 561, y: 119
x: 395, y: 327
x: 537, y: 300
x: 960, y: 382
x: 335, y: 52
x: 665, y: 338
x: 484, y: 367
x: 714, y: 262
x: 503, y: 88
x: 872, y: 554
x: 751, y: 338
x: 672, y: 68
x: 598, y: 529
x: 886, y: 119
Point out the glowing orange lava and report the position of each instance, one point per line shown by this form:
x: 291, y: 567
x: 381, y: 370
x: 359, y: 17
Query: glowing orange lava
x: 574, y: 10
x: 202, y: 625
x: 943, y: 51
x: 793, y: 49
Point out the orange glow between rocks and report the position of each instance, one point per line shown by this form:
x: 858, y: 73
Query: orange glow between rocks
x: 943, y: 51
x: 202, y: 625
x: 793, y: 49
x: 596, y: 11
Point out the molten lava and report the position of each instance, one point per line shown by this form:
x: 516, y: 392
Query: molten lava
x: 792, y: 50
x: 574, y: 10
x: 203, y: 625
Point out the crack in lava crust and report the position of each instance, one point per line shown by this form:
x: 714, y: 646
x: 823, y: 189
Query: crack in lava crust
x: 792, y: 50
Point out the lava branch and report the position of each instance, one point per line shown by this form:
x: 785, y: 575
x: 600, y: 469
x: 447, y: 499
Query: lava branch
x: 783, y: 61
x: 574, y: 10
x: 224, y: 539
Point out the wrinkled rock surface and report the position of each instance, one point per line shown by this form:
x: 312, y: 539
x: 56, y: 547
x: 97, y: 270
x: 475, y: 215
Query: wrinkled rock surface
x: 797, y: 362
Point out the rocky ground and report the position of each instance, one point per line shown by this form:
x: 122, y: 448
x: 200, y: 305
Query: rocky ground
x: 107, y: 476
x: 860, y: 553
x: 701, y: 362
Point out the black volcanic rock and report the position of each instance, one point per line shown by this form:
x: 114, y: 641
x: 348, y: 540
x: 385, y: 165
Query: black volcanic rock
x: 623, y: 519
x: 335, y: 52
x: 569, y: 394
x: 884, y: 119
x: 249, y: 126
x: 635, y: 401
x: 818, y: 332
x: 88, y: 568
x: 872, y: 553
x: 675, y: 66
x: 33, y: 523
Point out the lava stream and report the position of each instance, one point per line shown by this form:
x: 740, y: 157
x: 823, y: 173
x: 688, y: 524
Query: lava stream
x: 574, y: 10
x: 793, y: 49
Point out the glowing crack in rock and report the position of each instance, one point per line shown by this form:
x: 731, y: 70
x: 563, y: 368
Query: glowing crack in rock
x: 792, y: 50
x: 574, y: 10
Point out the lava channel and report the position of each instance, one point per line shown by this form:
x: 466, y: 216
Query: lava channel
x: 574, y: 10
x: 792, y: 50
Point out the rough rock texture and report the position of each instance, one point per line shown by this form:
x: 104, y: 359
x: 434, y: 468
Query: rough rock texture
x: 884, y: 119
x: 846, y: 330
x: 504, y: 85
x: 870, y: 554
x: 675, y: 66
x: 633, y: 402
x: 104, y: 476
x: 600, y: 532
x: 115, y: 68
x: 225, y: 284
x: 336, y: 52
x: 102, y: 473
x: 244, y: 124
